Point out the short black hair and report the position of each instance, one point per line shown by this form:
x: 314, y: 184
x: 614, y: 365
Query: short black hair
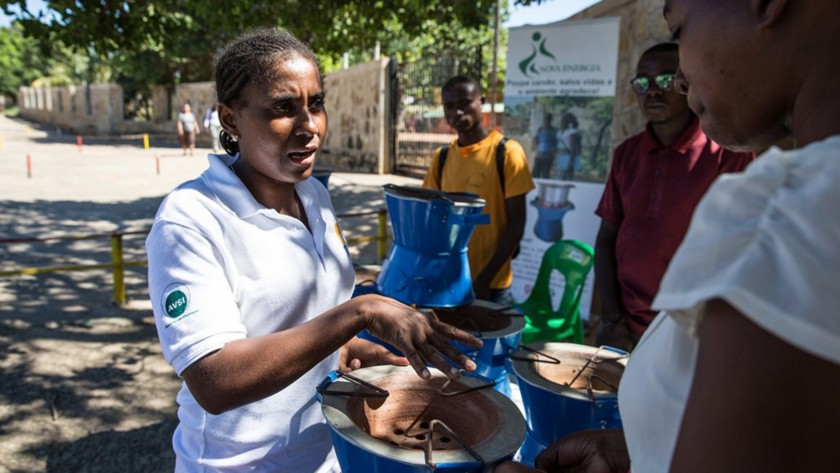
x: 247, y: 60
x: 666, y: 47
x: 460, y: 80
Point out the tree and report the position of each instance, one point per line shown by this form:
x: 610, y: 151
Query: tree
x: 169, y: 41
x: 23, y: 62
x: 19, y: 62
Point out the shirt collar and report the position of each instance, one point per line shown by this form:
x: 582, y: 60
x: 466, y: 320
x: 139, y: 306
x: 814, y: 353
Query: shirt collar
x: 228, y: 188
x: 685, y: 142
x: 233, y: 194
x: 465, y: 150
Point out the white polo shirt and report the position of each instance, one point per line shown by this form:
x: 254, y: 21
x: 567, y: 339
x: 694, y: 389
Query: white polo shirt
x: 222, y: 267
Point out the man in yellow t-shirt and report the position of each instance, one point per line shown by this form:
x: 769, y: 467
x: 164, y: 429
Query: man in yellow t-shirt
x: 470, y: 166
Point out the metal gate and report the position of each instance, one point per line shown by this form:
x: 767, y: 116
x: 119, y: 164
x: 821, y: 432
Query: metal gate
x: 420, y: 125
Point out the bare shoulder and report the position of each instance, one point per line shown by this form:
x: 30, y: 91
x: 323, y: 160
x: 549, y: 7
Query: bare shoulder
x: 753, y: 392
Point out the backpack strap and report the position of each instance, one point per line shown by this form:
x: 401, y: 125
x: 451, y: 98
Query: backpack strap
x: 500, y: 169
x: 444, y: 151
x: 500, y: 163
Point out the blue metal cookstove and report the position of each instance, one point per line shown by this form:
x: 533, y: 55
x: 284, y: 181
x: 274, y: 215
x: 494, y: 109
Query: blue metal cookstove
x: 427, y: 265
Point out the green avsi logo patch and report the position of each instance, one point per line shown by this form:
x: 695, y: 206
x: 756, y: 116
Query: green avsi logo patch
x: 176, y: 303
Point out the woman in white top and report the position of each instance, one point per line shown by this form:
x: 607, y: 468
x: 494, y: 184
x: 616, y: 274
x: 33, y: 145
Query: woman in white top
x: 741, y: 370
x: 187, y: 129
x: 250, y: 278
x: 568, y: 146
x: 214, y: 126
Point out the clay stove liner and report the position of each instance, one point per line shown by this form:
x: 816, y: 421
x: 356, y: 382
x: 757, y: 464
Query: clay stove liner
x: 490, y: 319
x: 485, y: 420
x: 573, y: 358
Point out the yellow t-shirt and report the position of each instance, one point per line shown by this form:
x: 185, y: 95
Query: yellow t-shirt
x: 473, y: 169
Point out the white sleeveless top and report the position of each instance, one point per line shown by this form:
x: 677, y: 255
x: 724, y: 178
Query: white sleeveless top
x: 768, y: 242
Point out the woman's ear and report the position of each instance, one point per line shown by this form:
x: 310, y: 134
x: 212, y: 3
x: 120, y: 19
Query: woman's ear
x: 228, y: 119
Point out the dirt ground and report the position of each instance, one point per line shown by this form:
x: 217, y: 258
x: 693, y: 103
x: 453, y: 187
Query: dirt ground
x: 83, y: 387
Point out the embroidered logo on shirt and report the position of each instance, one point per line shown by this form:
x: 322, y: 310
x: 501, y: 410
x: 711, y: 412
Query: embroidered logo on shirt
x: 176, y: 301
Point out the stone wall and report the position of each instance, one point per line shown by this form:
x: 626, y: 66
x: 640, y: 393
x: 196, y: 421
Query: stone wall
x: 97, y: 109
x: 89, y: 109
x: 642, y: 26
x: 358, y: 102
x: 200, y: 95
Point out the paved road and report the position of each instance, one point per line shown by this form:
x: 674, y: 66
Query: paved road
x: 116, y: 185
x: 84, y: 387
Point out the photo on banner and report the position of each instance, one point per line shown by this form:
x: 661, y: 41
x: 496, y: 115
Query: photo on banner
x: 559, y: 97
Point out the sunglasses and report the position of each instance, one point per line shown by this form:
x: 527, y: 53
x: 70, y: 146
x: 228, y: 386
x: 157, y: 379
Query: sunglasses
x: 641, y: 84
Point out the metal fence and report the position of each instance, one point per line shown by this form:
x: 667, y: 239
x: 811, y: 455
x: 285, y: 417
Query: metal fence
x: 421, y: 127
x: 118, y: 263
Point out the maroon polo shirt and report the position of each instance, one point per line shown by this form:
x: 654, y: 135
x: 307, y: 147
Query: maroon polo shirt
x: 650, y: 196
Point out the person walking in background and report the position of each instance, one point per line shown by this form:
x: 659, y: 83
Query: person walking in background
x: 250, y: 278
x: 545, y: 142
x: 214, y: 126
x: 569, y: 146
x: 473, y: 163
x: 749, y: 302
x: 187, y: 129
x: 657, y: 178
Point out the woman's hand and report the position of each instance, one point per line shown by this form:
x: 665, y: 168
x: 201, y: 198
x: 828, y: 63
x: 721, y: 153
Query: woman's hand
x: 361, y: 353
x: 513, y: 467
x: 421, y: 339
x: 588, y: 451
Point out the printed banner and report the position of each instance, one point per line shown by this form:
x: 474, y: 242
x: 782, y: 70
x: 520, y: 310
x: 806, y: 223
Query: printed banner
x: 559, y: 94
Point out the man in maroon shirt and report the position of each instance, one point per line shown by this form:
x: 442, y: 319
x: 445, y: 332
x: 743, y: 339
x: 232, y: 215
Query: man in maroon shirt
x: 656, y: 180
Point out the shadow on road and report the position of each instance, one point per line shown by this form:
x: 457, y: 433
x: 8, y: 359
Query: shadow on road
x: 147, y: 449
x: 84, y: 385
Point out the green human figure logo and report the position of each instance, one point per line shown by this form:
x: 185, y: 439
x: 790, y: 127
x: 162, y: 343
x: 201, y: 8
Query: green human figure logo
x: 528, y: 66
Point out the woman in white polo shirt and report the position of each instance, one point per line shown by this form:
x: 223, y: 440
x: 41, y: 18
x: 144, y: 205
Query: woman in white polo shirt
x: 250, y: 277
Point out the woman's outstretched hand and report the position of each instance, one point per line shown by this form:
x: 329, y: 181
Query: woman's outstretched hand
x: 421, y: 339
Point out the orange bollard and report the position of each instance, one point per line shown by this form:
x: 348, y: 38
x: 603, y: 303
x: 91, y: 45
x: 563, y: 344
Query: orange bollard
x: 28, y: 166
x: 79, y: 142
x: 157, y: 164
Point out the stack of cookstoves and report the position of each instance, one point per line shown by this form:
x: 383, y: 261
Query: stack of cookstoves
x: 386, y: 418
x: 427, y: 268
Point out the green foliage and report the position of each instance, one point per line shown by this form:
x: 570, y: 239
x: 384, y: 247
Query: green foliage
x: 169, y: 41
x: 20, y: 60
x: 12, y: 111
